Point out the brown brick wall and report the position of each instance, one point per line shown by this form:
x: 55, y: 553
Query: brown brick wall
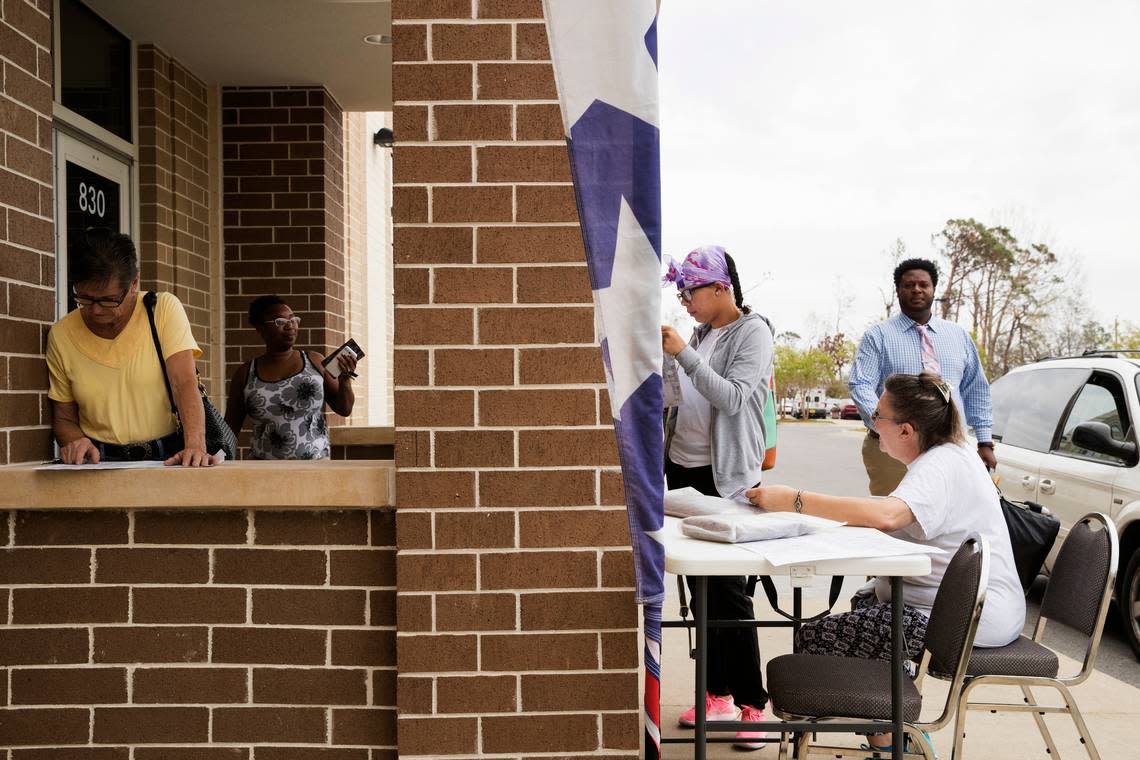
x: 27, y: 233
x: 203, y: 632
x: 283, y: 220
x: 515, y: 573
x: 174, y: 194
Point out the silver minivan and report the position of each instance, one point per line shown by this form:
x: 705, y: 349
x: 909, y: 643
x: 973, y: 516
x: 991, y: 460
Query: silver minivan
x: 1066, y: 433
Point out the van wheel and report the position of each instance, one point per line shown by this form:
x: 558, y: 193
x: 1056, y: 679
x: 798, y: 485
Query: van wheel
x: 1128, y: 601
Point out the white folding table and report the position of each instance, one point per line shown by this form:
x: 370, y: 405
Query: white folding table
x: 701, y: 559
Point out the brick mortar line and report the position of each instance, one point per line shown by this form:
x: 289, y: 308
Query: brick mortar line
x: 20, y: 68
x: 193, y: 585
x: 134, y: 666
x: 210, y: 625
x: 527, y: 469
x: 484, y: 305
x: 478, y: 225
x: 467, y: 102
x: 25, y: 283
x: 512, y: 265
x: 21, y: 174
x: 209, y: 744
x: 493, y: 550
x: 429, y: 22
x: 484, y: 183
x: 563, y: 711
x: 600, y: 752
x: 11, y: 25
x: 40, y: 217
x: 505, y: 468
x: 582, y: 305
x: 485, y: 61
x: 480, y: 143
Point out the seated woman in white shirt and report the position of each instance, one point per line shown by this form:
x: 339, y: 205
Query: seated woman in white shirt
x: 946, y: 496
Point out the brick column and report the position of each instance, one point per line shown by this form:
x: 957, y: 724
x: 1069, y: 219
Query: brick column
x: 174, y: 194
x: 283, y: 182
x: 515, y: 614
x: 27, y: 233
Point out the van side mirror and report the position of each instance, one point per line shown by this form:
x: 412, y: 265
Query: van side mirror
x: 1097, y: 436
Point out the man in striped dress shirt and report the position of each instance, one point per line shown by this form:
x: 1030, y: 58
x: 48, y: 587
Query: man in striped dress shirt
x: 910, y: 342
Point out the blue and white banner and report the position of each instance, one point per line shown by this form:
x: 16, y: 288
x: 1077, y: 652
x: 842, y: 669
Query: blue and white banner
x: 605, y: 65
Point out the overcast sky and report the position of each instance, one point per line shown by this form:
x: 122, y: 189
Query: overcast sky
x: 807, y: 136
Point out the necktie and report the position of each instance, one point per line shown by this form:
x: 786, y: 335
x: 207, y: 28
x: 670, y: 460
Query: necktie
x: 929, y: 360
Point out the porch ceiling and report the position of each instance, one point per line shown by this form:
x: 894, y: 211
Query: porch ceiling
x: 270, y: 42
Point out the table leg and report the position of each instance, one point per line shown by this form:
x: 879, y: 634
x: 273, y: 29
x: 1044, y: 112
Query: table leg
x: 700, y: 620
x: 899, y: 739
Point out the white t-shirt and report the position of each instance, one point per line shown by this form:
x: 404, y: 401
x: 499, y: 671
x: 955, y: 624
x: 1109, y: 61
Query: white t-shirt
x: 690, y: 443
x: 952, y: 496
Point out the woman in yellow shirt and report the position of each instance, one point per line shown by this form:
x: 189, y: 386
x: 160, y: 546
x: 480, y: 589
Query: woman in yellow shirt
x: 108, y: 398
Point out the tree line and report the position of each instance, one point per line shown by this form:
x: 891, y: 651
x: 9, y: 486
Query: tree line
x: 1019, y: 300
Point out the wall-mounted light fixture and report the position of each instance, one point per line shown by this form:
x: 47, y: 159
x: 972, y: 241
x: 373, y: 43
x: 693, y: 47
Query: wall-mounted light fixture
x: 384, y: 138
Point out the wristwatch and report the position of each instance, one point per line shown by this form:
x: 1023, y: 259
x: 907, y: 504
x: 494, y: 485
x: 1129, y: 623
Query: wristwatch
x: 799, y: 503
x: 987, y: 444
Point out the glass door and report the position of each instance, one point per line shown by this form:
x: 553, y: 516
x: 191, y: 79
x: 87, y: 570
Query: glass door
x: 93, y: 189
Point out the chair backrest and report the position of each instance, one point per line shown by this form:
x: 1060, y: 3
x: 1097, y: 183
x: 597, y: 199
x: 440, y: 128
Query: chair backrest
x: 1080, y: 586
x: 957, y: 608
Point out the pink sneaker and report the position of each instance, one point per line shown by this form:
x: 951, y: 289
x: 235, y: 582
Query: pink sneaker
x: 750, y: 713
x: 716, y: 708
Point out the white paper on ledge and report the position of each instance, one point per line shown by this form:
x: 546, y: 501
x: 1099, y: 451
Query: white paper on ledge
x: 145, y: 464
x: 842, y: 543
x: 142, y: 465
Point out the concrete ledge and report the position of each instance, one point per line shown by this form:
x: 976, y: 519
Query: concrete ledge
x: 347, y: 435
x: 321, y: 484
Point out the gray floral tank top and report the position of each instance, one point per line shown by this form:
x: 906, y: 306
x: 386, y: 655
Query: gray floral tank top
x: 287, y: 415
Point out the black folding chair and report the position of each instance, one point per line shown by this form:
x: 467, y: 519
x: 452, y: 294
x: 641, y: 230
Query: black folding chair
x: 825, y: 689
x: 1078, y: 596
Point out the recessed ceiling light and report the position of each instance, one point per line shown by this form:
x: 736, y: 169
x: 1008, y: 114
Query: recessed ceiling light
x: 378, y: 39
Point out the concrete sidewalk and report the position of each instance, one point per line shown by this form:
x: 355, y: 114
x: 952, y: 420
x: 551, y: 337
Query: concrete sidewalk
x: 1109, y: 699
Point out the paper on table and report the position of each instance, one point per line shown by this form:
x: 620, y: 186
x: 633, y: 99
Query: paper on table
x: 842, y: 543
x: 759, y: 526
x: 144, y: 464
x: 689, y: 502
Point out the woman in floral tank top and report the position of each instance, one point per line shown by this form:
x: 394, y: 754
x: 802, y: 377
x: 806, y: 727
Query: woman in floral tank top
x: 284, y: 390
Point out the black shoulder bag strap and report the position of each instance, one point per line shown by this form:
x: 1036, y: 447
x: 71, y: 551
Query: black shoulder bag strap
x: 774, y: 599
x: 149, y: 300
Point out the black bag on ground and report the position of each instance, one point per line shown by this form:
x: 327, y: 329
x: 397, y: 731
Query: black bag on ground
x: 1032, y: 531
x: 218, y: 433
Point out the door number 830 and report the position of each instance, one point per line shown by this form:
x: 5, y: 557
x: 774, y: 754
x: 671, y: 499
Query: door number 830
x: 92, y: 200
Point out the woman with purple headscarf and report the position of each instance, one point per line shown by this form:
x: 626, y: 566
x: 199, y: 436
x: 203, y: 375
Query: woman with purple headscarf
x: 715, y: 443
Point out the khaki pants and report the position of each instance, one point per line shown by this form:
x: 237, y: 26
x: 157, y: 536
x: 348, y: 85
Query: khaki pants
x: 883, y: 471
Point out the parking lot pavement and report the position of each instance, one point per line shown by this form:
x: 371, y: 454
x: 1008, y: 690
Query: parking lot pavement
x: 825, y: 456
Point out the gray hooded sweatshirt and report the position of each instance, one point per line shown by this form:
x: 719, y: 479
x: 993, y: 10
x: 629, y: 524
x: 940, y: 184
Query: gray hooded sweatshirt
x: 735, y: 382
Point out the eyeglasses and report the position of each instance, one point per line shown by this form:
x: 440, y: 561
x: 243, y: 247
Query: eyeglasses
x: 280, y: 322
x: 685, y: 295
x: 105, y: 303
x: 875, y: 417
